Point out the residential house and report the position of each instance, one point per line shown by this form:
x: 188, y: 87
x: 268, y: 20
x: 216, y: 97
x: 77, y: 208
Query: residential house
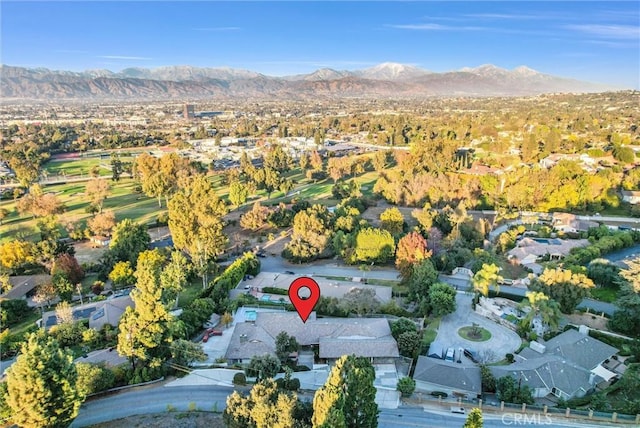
x: 457, y: 380
x: 109, y: 312
x: 631, y: 196
x: 569, y: 365
x: 567, y: 222
x: 530, y: 250
x: 331, y: 337
x: 100, y: 241
x: 23, y: 286
x: 98, y: 313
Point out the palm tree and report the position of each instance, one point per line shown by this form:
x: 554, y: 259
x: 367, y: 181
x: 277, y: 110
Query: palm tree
x: 485, y: 278
x: 541, y: 305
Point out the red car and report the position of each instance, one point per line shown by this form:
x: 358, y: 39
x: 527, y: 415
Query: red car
x: 206, y: 337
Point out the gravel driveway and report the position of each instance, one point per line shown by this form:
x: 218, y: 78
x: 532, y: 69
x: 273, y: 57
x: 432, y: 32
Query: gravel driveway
x: 502, y: 339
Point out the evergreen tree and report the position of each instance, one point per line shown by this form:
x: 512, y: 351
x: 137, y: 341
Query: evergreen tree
x: 195, y: 221
x: 348, y: 396
x: 265, y: 407
x: 41, y: 385
x: 145, y: 329
x: 129, y: 239
x: 474, y: 420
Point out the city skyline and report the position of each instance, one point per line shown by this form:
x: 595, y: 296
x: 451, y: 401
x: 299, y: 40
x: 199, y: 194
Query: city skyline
x: 592, y: 41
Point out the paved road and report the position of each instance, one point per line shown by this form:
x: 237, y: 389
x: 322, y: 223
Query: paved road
x: 155, y: 400
x: 502, y: 339
x: 325, y: 268
x: 150, y: 400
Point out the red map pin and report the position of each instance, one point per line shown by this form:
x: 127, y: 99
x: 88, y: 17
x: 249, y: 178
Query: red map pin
x: 304, y: 305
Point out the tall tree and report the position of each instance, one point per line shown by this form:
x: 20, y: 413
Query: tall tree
x: 144, y: 331
x: 174, y: 277
x: 632, y: 273
x: 360, y: 301
x: 97, y: 191
x: 412, y: 249
x: 195, y: 221
x: 68, y: 265
x: 442, y: 299
x: 423, y: 276
x: 238, y: 193
x: 563, y: 286
x: 129, y: 239
x: 285, y: 345
x: 265, y: 407
x: 347, y: 396
x: 255, y: 218
x: 263, y: 366
x: 41, y: 385
x: 474, y: 420
x: 539, y: 304
x: 102, y: 224
x: 392, y: 220
x: 627, y: 318
x: 40, y: 204
x: 373, y: 245
x: 486, y: 278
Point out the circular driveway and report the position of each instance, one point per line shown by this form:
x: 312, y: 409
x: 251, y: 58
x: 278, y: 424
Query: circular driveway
x: 502, y: 339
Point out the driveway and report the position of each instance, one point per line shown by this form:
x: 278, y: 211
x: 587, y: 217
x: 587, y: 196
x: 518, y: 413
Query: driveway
x: 502, y: 339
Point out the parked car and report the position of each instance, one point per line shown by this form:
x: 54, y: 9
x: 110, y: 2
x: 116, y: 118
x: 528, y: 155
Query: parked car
x: 288, y: 272
x: 212, y: 332
x: 205, y: 338
x: 457, y: 410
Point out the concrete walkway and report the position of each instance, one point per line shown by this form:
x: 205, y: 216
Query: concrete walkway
x: 503, y: 340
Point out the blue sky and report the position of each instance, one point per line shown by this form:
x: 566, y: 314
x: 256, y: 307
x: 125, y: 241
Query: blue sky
x: 594, y: 41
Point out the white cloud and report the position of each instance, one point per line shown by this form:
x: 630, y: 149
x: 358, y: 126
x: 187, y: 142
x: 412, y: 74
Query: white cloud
x: 125, y: 57
x: 608, y: 31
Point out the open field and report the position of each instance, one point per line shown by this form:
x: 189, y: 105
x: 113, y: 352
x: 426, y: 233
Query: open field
x: 123, y: 200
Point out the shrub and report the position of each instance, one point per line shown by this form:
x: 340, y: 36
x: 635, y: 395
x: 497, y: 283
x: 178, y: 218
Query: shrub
x: 275, y: 290
x: 239, y: 379
x: 294, y: 384
x: 406, y: 386
x: 510, y: 358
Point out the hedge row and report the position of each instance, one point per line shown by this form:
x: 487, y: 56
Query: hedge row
x: 231, y: 277
x: 275, y: 290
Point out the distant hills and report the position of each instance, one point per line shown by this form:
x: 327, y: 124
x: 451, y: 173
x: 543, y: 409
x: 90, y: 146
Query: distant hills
x: 387, y: 80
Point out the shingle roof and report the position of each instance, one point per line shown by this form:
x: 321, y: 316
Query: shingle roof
x: 370, y: 337
x: 448, y: 374
x: 548, y: 371
x: 370, y: 348
x: 581, y: 349
x: 21, y: 285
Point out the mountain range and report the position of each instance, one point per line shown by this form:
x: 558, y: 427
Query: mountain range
x: 387, y: 80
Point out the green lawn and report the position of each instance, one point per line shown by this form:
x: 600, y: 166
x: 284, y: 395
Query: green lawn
x: 431, y: 331
x: 604, y: 294
x: 123, y: 200
x: 468, y: 333
x: 74, y: 167
x: 190, y: 293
